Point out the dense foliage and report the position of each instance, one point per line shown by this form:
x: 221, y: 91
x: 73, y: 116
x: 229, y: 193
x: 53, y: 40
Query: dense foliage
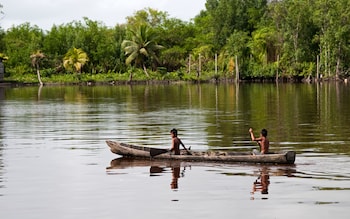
x: 277, y: 38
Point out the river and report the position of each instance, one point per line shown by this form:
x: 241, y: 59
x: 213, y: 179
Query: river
x: 54, y: 162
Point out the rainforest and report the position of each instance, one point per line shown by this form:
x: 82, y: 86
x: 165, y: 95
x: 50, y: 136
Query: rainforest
x: 229, y: 40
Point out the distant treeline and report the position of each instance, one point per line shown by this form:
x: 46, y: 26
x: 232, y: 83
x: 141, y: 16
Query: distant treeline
x: 262, y: 39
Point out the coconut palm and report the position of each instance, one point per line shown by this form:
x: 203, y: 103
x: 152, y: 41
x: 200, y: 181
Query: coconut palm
x: 75, y: 59
x: 141, y: 48
x: 36, y: 58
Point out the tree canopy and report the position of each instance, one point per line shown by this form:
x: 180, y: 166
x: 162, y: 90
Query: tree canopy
x: 270, y: 38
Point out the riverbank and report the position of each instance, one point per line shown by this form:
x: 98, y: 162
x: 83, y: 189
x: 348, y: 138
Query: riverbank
x: 154, y: 81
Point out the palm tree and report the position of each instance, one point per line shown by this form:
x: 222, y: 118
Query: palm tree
x: 141, y: 47
x: 75, y: 59
x: 36, y: 58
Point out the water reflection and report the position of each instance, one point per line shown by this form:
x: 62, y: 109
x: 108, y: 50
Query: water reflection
x: 53, y: 151
x: 261, y: 173
x: 176, y: 175
x: 175, y: 172
x: 2, y: 93
x: 261, y: 184
x: 2, y: 97
x: 299, y: 117
x: 157, y: 168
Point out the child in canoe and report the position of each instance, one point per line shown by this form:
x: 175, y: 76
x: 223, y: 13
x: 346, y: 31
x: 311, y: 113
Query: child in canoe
x: 176, y: 142
x: 263, y: 142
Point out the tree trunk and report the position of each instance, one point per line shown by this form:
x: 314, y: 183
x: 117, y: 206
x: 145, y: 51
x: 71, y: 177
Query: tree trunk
x: 337, y: 70
x: 237, y: 69
x: 145, y: 70
x: 130, y: 77
x: 216, y: 63
x: 317, y: 67
x: 199, y: 66
x: 38, y: 73
x: 278, y: 63
x: 189, y: 63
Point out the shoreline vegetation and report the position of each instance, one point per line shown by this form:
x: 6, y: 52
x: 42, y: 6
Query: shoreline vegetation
x: 230, y: 40
x: 106, y: 79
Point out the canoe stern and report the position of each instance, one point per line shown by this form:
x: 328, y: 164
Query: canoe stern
x: 290, y: 157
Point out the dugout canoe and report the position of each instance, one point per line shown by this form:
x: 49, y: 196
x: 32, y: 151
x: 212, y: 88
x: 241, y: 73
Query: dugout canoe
x: 135, y: 151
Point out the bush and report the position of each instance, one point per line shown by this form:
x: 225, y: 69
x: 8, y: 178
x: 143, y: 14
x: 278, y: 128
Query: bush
x: 47, y: 72
x: 16, y: 71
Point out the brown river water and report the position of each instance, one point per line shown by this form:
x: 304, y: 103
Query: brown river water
x: 54, y: 162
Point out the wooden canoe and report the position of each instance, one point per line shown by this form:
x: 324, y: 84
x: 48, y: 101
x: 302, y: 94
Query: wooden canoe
x: 128, y: 150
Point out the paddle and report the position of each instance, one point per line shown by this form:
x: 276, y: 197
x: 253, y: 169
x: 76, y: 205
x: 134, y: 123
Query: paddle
x: 188, y: 153
x: 157, y: 151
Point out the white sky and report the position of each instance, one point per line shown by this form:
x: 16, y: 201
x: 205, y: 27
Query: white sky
x: 46, y: 13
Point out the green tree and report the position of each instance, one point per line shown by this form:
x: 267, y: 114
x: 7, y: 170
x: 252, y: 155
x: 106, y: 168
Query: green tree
x: 142, y: 48
x: 99, y: 42
x: 295, y: 32
x: 298, y: 25
x: 229, y: 15
x: 333, y: 18
x: 262, y: 45
x: 75, y: 59
x: 236, y: 45
x: 204, y: 34
x: 20, y: 42
x: 147, y: 16
x: 102, y: 44
x: 118, y: 61
x: 178, y: 39
x: 58, y: 41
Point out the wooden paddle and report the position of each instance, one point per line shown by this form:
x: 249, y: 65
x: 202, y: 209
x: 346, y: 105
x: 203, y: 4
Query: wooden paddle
x: 157, y: 151
x: 188, y: 153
